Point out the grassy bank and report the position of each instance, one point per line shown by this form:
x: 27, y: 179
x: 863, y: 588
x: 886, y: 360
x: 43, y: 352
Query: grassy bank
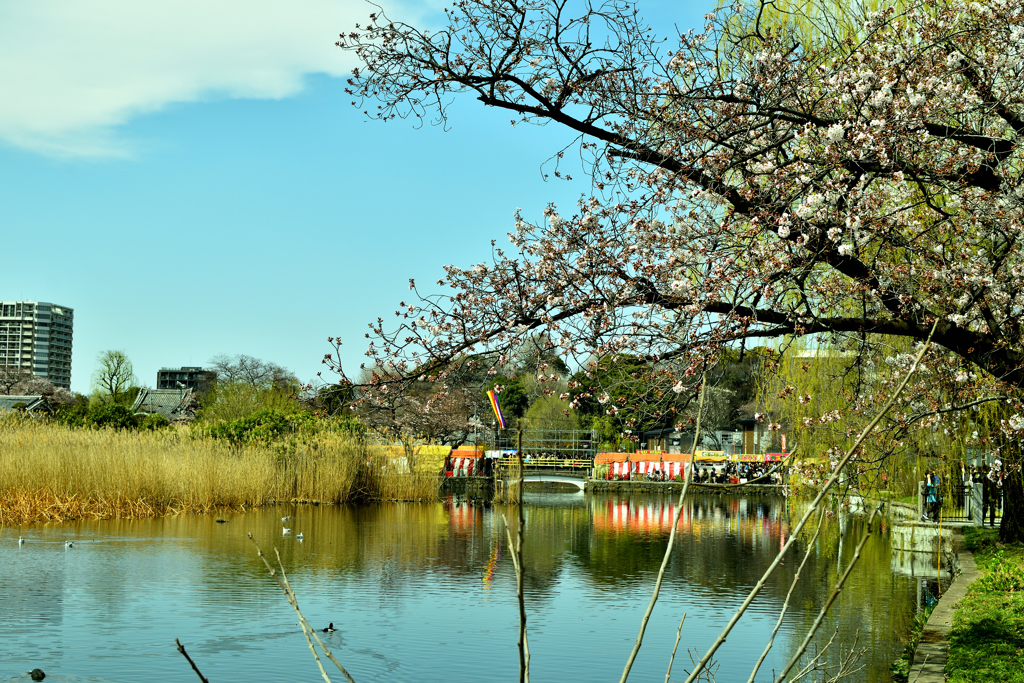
x: 50, y: 472
x: 986, y: 643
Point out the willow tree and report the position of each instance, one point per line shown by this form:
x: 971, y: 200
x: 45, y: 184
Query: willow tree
x: 842, y: 174
x: 824, y: 394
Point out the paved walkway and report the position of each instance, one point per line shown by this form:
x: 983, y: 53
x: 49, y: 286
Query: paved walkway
x: 930, y: 657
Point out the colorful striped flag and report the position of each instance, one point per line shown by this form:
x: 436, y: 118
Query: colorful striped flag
x: 497, y: 408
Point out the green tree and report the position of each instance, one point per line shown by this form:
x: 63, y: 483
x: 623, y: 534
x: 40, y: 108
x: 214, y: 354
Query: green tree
x: 332, y: 399
x: 113, y: 415
x: 550, y: 413
x: 236, y: 400
x: 113, y: 376
x: 620, y: 393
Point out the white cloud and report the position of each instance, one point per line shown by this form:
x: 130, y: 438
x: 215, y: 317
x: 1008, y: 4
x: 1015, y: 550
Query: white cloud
x: 72, y: 71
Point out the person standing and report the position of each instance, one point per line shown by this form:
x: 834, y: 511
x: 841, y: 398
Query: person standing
x: 993, y: 492
x: 931, y: 495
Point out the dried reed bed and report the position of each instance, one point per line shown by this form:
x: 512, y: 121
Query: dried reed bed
x: 53, y: 473
x: 393, y: 473
x: 508, y: 489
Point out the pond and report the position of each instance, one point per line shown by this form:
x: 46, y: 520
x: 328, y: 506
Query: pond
x: 426, y: 592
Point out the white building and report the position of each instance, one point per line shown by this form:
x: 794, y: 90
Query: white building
x: 35, y: 336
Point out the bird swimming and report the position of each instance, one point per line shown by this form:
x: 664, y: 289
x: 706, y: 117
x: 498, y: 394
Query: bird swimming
x: 21, y: 541
x: 36, y: 674
x: 299, y: 536
x: 285, y: 530
x: 69, y: 544
x: 330, y: 628
x: 287, y: 518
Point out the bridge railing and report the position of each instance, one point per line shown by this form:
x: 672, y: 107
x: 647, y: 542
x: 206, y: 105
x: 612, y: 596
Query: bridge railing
x: 507, y: 467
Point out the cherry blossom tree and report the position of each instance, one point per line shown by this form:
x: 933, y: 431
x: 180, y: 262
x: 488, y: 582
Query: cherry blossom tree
x: 254, y: 372
x: 32, y: 385
x: 417, y: 413
x: 11, y: 375
x: 845, y: 173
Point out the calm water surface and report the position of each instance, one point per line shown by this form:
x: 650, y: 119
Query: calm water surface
x: 426, y: 592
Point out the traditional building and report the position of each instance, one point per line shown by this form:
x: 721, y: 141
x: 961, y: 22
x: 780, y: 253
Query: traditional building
x: 177, y: 405
x: 30, y: 404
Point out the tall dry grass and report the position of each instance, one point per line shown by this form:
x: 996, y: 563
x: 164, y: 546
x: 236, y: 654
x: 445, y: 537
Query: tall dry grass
x: 49, y: 472
x: 397, y: 473
x: 508, y: 489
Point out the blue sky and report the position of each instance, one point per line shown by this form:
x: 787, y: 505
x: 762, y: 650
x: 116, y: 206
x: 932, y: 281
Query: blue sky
x: 192, y: 179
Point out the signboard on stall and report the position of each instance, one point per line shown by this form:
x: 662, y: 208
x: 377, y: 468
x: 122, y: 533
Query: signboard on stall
x: 712, y: 456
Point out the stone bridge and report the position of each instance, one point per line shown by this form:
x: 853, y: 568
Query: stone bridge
x: 555, y: 470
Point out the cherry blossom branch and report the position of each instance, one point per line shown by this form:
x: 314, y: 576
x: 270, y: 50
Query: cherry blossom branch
x: 954, y: 409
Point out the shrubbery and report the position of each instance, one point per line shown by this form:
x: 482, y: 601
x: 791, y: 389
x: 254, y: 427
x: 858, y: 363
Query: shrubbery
x: 83, y: 413
x: 269, y: 424
x: 235, y: 413
x: 263, y: 425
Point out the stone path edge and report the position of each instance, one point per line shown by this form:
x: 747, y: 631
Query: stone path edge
x: 930, y: 657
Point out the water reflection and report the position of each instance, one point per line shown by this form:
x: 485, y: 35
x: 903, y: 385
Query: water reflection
x: 426, y: 591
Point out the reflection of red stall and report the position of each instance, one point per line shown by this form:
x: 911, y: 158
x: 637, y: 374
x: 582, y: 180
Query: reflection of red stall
x: 462, y: 517
x: 652, y: 516
x: 655, y: 517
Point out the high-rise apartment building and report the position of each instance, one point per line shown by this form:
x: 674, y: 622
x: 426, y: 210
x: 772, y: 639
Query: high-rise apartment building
x: 35, y: 336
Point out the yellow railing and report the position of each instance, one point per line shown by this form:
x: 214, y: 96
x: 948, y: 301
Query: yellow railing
x: 506, y: 464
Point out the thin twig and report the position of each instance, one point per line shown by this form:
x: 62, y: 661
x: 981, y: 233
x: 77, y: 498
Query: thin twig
x: 181, y: 649
x: 679, y: 634
x: 511, y: 544
x: 687, y: 476
x: 708, y: 673
x: 815, y: 663
x: 306, y: 628
x: 810, y: 511
x: 785, y: 604
x: 290, y: 594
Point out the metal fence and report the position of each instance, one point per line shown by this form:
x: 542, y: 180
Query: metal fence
x: 552, y: 443
x: 962, y: 502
